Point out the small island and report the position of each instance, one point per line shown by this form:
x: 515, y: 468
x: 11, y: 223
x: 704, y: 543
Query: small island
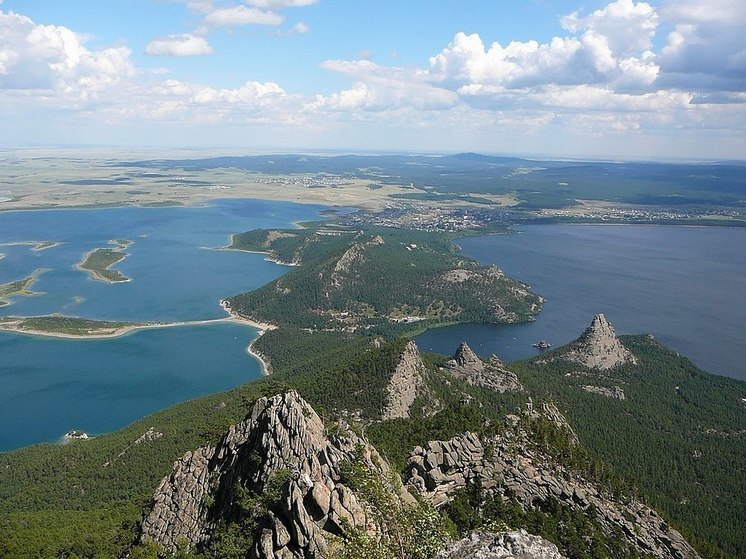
x: 99, y: 261
x: 44, y: 245
x: 19, y: 288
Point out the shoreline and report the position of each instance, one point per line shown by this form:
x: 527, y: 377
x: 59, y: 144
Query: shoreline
x: 15, y: 326
x: 261, y: 327
x: 105, y: 333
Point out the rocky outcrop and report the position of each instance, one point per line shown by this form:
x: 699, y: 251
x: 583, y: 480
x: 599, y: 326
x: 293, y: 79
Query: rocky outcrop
x: 407, y: 382
x: 281, y: 435
x: 517, y: 544
x: 615, y: 393
x: 509, y: 464
x: 598, y: 347
x: 494, y: 375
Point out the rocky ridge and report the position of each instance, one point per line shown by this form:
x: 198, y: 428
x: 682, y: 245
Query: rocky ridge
x: 517, y: 544
x: 280, y: 434
x: 494, y: 375
x: 282, y: 438
x: 598, y: 347
x: 508, y: 464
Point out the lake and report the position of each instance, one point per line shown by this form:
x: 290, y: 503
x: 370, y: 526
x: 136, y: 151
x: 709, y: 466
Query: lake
x: 50, y: 386
x: 685, y: 285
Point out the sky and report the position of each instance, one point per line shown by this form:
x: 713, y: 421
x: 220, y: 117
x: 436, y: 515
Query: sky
x: 661, y: 79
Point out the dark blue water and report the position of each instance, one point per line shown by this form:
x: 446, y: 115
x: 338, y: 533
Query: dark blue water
x: 50, y: 386
x: 685, y: 285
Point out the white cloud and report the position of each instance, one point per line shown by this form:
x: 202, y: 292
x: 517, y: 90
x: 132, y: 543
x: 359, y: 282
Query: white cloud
x: 178, y: 45
x: 379, y: 88
x: 241, y: 15
x: 301, y: 28
x: 606, y: 77
x: 705, y: 50
x: 627, y: 27
x: 54, y: 57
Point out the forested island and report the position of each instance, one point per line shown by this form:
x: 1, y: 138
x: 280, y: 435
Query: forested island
x: 99, y: 261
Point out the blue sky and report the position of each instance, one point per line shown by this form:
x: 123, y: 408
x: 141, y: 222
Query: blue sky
x: 623, y: 79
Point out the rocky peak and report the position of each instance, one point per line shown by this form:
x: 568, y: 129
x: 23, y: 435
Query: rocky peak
x: 468, y: 366
x: 466, y: 358
x: 280, y: 434
x: 598, y: 347
x: 406, y: 383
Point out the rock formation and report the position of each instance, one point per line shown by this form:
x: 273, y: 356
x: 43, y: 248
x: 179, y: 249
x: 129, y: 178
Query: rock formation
x: 509, y: 464
x: 616, y: 393
x: 517, y: 544
x: 406, y: 383
x: 282, y: 434
x: 468, y: 366
x: 598, y: 347
x: 283, y: 469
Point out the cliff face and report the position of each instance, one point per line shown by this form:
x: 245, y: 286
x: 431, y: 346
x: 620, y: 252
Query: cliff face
x: 281, y: 435
x: 598, y: 347
x: 494, y: 375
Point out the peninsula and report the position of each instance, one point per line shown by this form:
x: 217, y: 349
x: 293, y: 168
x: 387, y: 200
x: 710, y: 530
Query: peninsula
x: 19, y: 288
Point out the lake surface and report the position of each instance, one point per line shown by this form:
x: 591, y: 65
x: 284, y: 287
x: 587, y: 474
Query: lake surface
x: 50, y: 386
x: 685, y: 285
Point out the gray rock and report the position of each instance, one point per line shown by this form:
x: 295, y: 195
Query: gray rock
x: 514, y: 466
x: 517, y: 544
x: 468, y: 366
x: 598, y: 347
x: 406, y: 383
x: 284, y: 433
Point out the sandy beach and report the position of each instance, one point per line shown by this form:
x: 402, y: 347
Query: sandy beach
x: 261, y: 326
x: 16, y: 326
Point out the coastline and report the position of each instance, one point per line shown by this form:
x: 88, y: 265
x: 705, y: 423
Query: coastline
x: 262, y: 328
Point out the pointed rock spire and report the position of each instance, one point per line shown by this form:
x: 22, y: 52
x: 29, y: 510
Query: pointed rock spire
x: 406, y: 383
x: 468, y: 366
x: 598, y: 347
x: 465, y: 357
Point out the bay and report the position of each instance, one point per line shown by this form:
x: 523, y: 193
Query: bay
x: 684, y: 285
x: 49, y: 386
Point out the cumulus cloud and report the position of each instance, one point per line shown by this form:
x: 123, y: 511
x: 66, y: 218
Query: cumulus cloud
x: 706, y: 50
x: 241, y: 15
x: 54, y: 57
x: 625, y: 26
x: 178, y: 45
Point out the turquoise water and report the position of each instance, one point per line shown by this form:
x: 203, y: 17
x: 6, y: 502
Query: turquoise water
x: 50, y: 386
x: 685, y: 285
